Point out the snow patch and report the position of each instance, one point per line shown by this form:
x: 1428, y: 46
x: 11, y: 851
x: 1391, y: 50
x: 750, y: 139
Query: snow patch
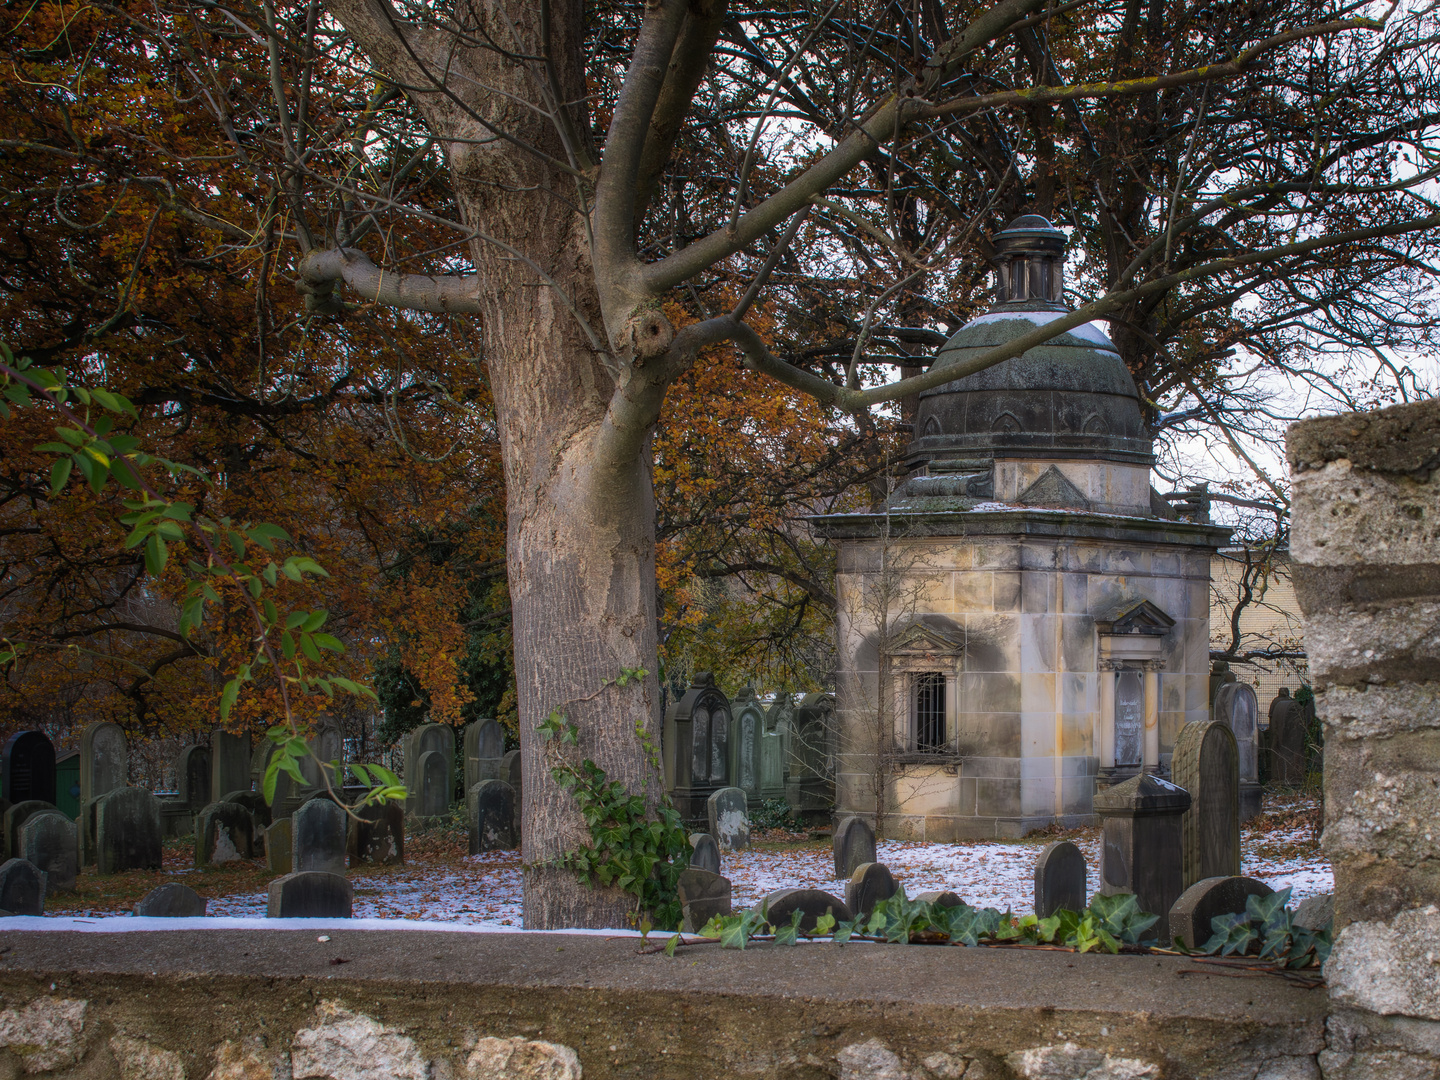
x: 1087, y: 332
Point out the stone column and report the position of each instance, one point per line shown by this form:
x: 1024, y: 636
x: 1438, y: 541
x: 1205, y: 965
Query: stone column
x: 1365, y: 550
x: 1151, y: 757
x: 1105, y: 744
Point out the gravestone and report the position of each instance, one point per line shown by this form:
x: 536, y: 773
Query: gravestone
x: 27, y: 768
x: 492, y: 817
x: 279, y: 846
x: 285, y: 787
x: 192, y: 777
x: 1190, y: 915
x: 377, y: 835
x: 703, y: 895
x: 229, y: 762
x: 326, y: 747
x: 747, y: 734
x: 224, y: 833
x: 854, y: 845
x: 67, y: 783
x: 311, y: 894
x: 1142, y: 847
x: 318, y: 834
x: 1220, y: 675
x: 15, y: 817
x: 1129, y: 719
x: 1236, y: 708
x: 696, y: 743
x: 810, y: 787
x: 427, y: 738
x: 104, y: 766
x: 775, y: 755
x: 260, y: 814
x: 1060, y: 879
x: 940, y: 898
x: 47, y: 840
x: 171, y: 901
x: 1315, y: 912
x: 704, y: 852
x: 729, y: 821
x: 127, y: 831
x: 782, y: 903
x: 22, y: 888
x: 434, y: 798
x: 1285, y: 742
x: 512, y: 773
x: 484, y: 752
x: 868, y: 885
x: 1206, y: 763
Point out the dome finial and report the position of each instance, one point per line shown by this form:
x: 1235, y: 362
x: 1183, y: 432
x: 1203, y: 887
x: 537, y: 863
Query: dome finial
x: 1029, y: 262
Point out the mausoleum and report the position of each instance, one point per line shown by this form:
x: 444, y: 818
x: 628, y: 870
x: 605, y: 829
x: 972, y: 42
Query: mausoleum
x: 1026, y: 619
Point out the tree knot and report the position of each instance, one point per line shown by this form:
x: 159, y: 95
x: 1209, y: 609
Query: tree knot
x: 650, y: 334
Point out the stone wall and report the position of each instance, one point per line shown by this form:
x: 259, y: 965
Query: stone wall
x: 1366, y: 557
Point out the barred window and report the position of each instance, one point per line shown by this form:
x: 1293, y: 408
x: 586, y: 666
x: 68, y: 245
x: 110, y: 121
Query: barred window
x: 930, y: 711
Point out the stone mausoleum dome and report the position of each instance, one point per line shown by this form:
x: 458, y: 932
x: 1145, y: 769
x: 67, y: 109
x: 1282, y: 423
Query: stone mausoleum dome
x: 1068, y: 399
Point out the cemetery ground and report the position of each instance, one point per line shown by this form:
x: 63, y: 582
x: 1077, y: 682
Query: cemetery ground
x: 440, y: 882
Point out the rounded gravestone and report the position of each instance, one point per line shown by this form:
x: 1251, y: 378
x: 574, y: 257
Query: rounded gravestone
x: 171, y: 901
x: 434, y: 796
x: 22, y: 888
x: 27, y: 767
x: 280, y: 847
x: 729, y: 818
x: 1191, y: 914
x: 491, y: 807
x: 1060, y: 879
x: 192, y: 777
x: 15, y: 818
x: 377, y: 835
x: 224, y: 833
x: 254, y: 801
x: 868, y: 885
x: 47, y: 841
x: 318, y: 835
x: 311, y: 894
x: 782, y: 903
x: 940, y: 898
x: 127, y: 831
x: 1206, y: 763
x: 702, y: 896
x: 854, y: 845
x: 1237, y: 709
x: 704, y: 852
x: 104, y: 760
x: 484, y: 742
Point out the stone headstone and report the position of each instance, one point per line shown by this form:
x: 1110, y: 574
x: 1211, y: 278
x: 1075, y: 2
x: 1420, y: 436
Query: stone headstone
x: 492, y: 816
x: 1060, y: 879
x: 318, y: 835
x: 224, y: 833
x: 704, y: 852
x: 377, y: 835
x: 1190, y: 915
x: 781, y: 904
x: 1220, y: 675
x: 279, y: 846
x: 703, y: 895
x: 47, y: 840
x: 27, y: 768
x: 285, y: 786
x: 1206, y: 763
x: 311, y: 894
x: 1236, y: 708
x: 229, y: 762
x: 775, y: 748
x: 810, y: 788
x: 868, y: 885
x: 854, y: 845
x: 22, y: 888
x: 484, y: 743
x: 427, y: 738
x: 514, y: 775
x: 747, y: 734
x: 327, y: 748
x: 434, y: 798
x: 1285, y: 743
x: 171, y: 901
x: 940, y: 898
x: 104, y: 760
x: 1142, y: 846
x: 127, y: 831
x: 696, y: 743
x: 729, y: 819
x: 192, y: 777
x: 15, y: 817
x: 253, y: 801
x: 1315, y: 912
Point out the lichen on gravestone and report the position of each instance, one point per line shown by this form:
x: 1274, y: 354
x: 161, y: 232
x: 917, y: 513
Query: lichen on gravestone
x: 46, y: 1034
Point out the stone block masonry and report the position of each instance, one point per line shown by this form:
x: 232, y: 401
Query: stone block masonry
x: 1365, y: 550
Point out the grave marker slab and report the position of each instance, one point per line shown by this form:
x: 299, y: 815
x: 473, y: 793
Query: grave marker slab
x: 1190, y: 915
x: 192, y: 777
x: 311, y: 894
x: 171, y: 901
x: 27, y: 768
x: 1235, y: 707
x: 1060, y: 879
x: 703, y: 895
x: 1142, y: 846
x: 224, y: 833
x: 781, y: 903
x: 1315, y: 912
x: 434, y: 798
x: 492, y: 816
x: 47, y: 840
x: 439, y: 738
x: 868, y: 885
x: 279, y: 846
x: 318, y: 835
x: 229, y: 762
x: 378, y: 837
x: 484, y: 743
x: 747, y: 735
x: 327, y: 746
x: 1285, y: 742
x: 941, y: 898
x: 127, y: 831
x: 729, y: 819
x: 1206, y: 763
x: 22, y: 888
x: 704, y: 852
x: 514, y: 775
x: 15, y: 817
x: 854, y: 845
x: 696, y: 745
x: 104, y: 760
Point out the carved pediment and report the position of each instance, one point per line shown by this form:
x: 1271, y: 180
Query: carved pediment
x: 1134, y: 617
x: 921, y: 640
x: 1053, y: 488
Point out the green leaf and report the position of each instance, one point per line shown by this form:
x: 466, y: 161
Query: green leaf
x: 670, y: 945
x: 71, y: 436
x: 228, y: 697
x: 155, y: 555
x: 315, y: 620
x: 287, y: 645
x: 59, y: 474
x: 307, y: 646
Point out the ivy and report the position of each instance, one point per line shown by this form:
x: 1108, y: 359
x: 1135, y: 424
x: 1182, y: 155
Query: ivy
x: 634, y: 847
x: 1266, y: 928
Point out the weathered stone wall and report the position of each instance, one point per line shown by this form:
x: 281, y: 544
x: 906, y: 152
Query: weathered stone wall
x: 1366, y: 555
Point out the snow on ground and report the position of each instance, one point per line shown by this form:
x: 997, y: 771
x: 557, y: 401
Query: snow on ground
x: 485, y: 889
